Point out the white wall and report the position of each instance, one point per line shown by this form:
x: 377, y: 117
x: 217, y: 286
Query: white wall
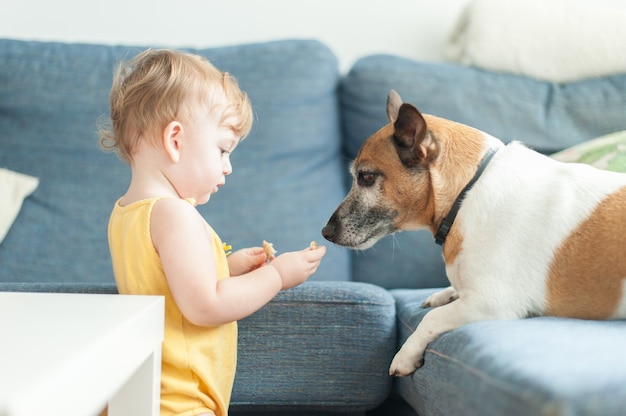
x: 352, y: 28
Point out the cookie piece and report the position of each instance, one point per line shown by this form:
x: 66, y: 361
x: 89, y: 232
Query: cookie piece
x: 268, y: 248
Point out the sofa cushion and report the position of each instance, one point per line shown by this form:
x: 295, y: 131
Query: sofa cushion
x: 522, y: 367
x: 108, y: 288
x: 287, y: 174
x: 322, y: 345
x: 543, y: 115
x: 535, y: 38
x: 546, y: 116
x: 606, y: 152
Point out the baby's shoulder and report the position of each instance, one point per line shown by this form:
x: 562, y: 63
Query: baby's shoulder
x: 175, y: 212
x: 174, y: 203
x: 174, y: 219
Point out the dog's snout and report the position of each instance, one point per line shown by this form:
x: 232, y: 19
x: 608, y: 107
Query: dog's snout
x: 329, y: 230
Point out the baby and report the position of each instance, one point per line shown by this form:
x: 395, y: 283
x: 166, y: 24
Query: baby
x: 176, y: 119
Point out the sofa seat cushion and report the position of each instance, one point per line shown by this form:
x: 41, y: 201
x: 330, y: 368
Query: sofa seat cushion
x: 287, y: 175
x: 522, y: 367
x: 108, y: 288
x: 320, y: 346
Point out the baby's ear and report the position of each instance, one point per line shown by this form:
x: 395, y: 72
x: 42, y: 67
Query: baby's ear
x: 171, y: 140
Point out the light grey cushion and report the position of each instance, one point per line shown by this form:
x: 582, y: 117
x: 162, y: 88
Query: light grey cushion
x: 524, y: 367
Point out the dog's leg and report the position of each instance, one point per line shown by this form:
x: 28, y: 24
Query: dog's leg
x: 435, y: 323
x: 443, y: 297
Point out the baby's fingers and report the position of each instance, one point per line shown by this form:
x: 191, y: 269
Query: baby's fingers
x: 313, y: 255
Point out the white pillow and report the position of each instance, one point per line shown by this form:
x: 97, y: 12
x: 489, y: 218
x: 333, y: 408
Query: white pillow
x: 14, y: 187
x: 551, y: 40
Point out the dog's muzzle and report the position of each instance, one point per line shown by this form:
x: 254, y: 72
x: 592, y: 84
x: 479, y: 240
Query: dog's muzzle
x: 329, y: 231
x: 360, y: 234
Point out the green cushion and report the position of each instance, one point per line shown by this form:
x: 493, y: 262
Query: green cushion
x: 605, y: 152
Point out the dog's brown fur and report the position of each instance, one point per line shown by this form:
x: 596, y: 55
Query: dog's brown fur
x: 445, y: 170
x: 579, y: 288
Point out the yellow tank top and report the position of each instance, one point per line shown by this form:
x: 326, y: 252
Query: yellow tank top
x: 198, y: 363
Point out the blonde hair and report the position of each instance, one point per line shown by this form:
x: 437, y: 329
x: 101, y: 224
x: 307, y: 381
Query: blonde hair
x: 159, y: 86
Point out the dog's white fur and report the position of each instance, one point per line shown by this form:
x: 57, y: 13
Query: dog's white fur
x: 509, y: 241
x: 516, y: 218
x: 532, y: 237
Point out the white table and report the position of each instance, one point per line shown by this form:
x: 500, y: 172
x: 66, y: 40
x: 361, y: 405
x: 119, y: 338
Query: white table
x: 72, y: 354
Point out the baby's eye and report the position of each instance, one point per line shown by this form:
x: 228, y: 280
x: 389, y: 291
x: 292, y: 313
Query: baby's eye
x: 225, y: 152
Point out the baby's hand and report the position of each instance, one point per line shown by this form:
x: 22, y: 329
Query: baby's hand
x: 295, y: 267
x: 246, y: 260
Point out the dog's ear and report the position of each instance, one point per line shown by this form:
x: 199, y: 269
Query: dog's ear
x: 393, y: 105
x: 414, y: 143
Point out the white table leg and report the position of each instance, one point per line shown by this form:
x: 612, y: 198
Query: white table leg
x: 140, y: 395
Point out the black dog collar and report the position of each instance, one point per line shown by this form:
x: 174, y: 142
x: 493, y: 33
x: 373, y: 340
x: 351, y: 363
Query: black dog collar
x: 446, y: 224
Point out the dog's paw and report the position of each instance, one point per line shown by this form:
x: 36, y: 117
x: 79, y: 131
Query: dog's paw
x: 404, y: 364
x: 441, y: 298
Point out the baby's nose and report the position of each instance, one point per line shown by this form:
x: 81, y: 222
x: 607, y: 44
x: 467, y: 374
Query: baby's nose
x: 228, y: 168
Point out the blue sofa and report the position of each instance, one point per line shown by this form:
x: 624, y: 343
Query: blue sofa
x: 324, y: 347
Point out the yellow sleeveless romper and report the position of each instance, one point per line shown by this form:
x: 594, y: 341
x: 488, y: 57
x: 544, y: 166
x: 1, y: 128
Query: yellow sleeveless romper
x: 198, y: 363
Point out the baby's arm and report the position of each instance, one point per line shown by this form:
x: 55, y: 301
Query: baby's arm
x: 184, y: 245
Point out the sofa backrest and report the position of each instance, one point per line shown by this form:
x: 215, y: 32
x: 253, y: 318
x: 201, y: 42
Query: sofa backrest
x: 287, y: 179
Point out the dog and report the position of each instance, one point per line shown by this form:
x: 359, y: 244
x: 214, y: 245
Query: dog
x: 522, y: 234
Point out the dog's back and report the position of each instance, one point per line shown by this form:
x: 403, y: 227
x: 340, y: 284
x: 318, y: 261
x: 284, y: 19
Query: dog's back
x: 552, y: 236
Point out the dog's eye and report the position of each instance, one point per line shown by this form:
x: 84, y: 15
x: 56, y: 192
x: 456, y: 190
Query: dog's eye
x: 366, y: 178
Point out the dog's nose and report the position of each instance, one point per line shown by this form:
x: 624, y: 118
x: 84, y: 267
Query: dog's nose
x: 329, y: 232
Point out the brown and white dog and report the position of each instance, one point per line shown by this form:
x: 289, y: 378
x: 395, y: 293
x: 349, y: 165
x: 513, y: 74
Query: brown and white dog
x: 532, y: 236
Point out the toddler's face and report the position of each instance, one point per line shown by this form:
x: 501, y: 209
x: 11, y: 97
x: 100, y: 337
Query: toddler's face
x: 206, y: 155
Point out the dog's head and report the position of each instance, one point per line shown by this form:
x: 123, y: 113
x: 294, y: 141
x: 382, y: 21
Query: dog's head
x: 392, y: 181
x: 406, y: 176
